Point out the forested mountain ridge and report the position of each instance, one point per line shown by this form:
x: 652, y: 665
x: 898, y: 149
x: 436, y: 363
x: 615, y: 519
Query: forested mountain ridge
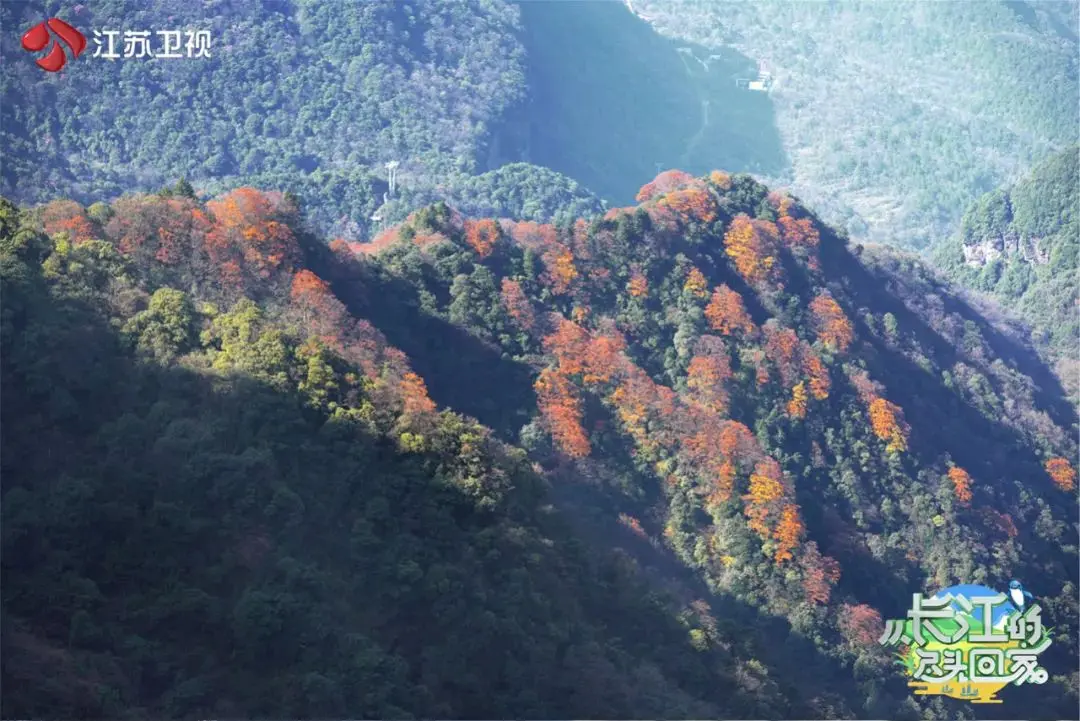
x: 792, y: 434
x: 309, y: 97
x: 218, y: 506
x: 890, y: 119
x: 1021, y: 245
x: 896, y: 116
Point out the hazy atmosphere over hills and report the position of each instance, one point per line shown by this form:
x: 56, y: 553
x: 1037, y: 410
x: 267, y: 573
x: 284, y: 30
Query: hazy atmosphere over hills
x: 479, y: 359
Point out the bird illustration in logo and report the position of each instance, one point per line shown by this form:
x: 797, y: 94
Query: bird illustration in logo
x: 1018, y: 595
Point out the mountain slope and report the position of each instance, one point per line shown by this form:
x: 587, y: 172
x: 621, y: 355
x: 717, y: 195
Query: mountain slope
x: 1021, y: 245
x: 814, y: 429
x: 897, y: 116
x: 308, y: 97
x: 268, y: 516
x: 255, y: 505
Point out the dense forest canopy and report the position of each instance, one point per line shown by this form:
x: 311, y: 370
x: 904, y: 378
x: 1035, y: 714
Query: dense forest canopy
x: 242, y: 474
x: 309, y: 97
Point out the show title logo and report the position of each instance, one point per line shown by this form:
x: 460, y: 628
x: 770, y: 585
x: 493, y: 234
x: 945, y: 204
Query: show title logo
x: 969, y: 642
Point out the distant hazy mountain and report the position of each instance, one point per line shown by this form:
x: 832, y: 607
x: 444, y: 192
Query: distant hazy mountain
x: 896, y: 115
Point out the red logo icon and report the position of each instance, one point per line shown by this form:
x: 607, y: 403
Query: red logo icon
x: 37, y: 37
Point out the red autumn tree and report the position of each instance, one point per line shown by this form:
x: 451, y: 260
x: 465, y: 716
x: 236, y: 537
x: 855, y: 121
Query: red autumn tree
x: 306, y: 285
x: 155, y: 230
x: 253, y: 228
x: 517, y: 304
x: 561, y: 408
x: 861, y: 625
x: 67, y: 216
x: 782, y: 347
x: 536, y: 236
x: 820, y: 573
x: 481, y: 235
x: 1061, y: 473
x: 832, y: 326
x: 961, y: 484
x: 726, y: 313
x: 665, y: 182
x: 319, y: 308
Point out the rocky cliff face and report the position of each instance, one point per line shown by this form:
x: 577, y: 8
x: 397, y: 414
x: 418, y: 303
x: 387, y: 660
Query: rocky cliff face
x: 1010, y: 245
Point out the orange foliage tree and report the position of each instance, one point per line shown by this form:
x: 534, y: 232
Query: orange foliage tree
x: 720, y: 179
x: 726, y: 314
x: 561, y: 408
x: 1062, y: 473
x: 832, y: 326
x: 481, y: 235
x: 766, y: 487
x: 561, y: 272
x: 788, y: 533
x: 800, y: 236
x: 383, y: 239
x: 252, y: 227
x: 961, y: 484
x: 717, y: 450
x: 634, y: 525
x: 887, y: 422
x: 751, y: 245
x: 705, y: 378
x: 691, y: 204
x: 665, y: 182
x: 817, y: 375
x: 415, y: 396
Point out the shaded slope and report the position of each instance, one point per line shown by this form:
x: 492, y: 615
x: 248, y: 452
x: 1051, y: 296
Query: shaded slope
x: 643, y: 381
x: 213, y: 507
